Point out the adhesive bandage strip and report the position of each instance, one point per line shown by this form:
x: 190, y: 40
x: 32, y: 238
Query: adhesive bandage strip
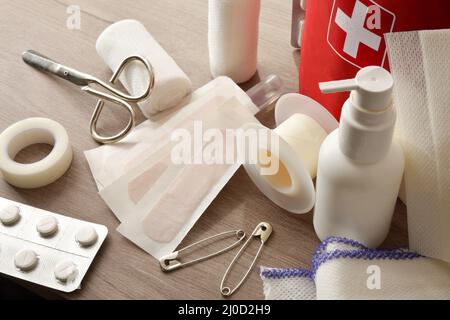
x: 141, y: 184
x: 46, y: 248
x: 164, y: 215
x: 26, y: 133
x: 161, y: 151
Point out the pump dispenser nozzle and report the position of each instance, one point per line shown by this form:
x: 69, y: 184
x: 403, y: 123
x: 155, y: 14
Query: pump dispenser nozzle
x: 371, y: 88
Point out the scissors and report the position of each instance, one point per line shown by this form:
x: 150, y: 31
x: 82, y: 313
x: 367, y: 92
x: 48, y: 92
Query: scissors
x: 84, y: 80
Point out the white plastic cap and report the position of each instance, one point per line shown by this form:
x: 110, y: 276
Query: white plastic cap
x: 372, y: 88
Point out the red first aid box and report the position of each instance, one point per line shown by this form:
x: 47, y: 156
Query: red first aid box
x: 342, y: 36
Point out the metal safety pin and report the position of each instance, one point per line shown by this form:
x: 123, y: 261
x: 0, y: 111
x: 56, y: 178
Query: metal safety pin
x: 171, y: 261
x: 263, y: 231
x: 84, y: 80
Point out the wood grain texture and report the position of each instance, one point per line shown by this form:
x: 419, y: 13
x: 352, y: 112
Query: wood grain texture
x: 122, y: 270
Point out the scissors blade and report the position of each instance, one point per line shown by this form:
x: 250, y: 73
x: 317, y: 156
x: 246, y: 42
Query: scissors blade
x: 42, y: 63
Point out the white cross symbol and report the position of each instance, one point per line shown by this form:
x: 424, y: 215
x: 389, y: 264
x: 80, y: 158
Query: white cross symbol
x: 356, y: 33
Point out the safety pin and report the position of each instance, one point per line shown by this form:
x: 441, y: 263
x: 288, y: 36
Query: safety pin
x: 263, y: 231
x: 170, y: 262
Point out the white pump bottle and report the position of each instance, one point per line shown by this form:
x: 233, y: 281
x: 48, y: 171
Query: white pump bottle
x: 360, y: 166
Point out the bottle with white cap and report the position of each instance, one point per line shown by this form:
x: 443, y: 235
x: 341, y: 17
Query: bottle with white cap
x: 360, y: 165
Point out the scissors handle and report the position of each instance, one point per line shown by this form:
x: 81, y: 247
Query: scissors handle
x: 43, y: 63
x: 120, y: 98
x: 117, y: 73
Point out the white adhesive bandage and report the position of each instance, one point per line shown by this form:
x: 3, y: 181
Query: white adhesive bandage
x: 28, y: 132
x: 163, y: 216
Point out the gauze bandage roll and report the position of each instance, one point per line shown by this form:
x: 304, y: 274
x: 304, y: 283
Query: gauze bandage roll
x: 343, y: 269
x: 233, y: 38
x: 129, y: 37
x: 420, y: 65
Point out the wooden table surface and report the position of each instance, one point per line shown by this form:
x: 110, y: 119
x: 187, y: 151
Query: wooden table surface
x: 121, y: 270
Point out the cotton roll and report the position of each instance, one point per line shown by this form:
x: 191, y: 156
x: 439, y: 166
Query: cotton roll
x: 233, y: 38
x: 130, y: 37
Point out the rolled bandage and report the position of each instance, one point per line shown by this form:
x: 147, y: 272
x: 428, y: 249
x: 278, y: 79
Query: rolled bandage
x: 233, y: 38
x: 303, y: 124
x: 26, y: 133
x: 129, y: 37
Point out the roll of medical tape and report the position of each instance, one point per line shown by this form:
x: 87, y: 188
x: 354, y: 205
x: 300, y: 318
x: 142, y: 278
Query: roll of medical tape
x: 303, y: 125
x: 29, y: 132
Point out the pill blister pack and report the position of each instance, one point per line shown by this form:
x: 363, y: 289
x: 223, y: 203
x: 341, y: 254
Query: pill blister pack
x: 46, y: 248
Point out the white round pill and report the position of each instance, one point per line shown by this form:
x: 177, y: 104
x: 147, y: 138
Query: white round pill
x: 26, y: 260
x: 9, y: 215
x: 65, y: 271
x: 47, y: 226
x: 86, y: 236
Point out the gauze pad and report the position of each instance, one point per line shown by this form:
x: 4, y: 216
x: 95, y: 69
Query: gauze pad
x: 129, y: 37
x: 163, y: 215
x: 109, y: 162
x: 420, y: 65
x: 346, y: 270
x: 46, y: 248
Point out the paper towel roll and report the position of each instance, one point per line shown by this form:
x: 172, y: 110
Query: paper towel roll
x: 129, y: 37
x: 233, y: 38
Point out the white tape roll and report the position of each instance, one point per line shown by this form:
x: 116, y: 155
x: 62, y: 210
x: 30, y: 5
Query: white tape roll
x: 303, y: 124
x: 26, y: 133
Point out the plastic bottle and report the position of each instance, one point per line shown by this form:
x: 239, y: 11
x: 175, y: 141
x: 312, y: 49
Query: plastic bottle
x: 360, y: 166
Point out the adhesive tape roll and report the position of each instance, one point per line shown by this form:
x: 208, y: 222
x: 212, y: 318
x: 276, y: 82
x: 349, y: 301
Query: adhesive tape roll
x: 26, y: 133
x: 291, y: 187
x: 303, y: 125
